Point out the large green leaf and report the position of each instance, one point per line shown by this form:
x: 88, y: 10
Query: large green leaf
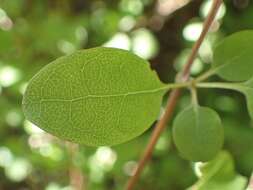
x: 99, y: 96
x: 233, y: 57
x: 198, y: 133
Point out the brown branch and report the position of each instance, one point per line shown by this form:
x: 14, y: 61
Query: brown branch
x: 174, y: 96
x: 196, y: 46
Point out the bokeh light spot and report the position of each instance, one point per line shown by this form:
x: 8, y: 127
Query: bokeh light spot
x: 192, y: 31
x: 81, y: 34
x: 13, y: 118
x: 119, y: 40
x: 30, y: 128
x: 180, y: 61
x: 18, y: 170
x: 134, y: 7
x: 206, y: 6
x: 144, y: 43
x: 197, y: 168
x: 206, y: 51
x: 6, y: 157
x: 163, y: 143
x: 66, y: 47
x: 5, y: 22
x: 9, y: 75
x: 130, y: 167
x: 127, y: 23
x: 51, y: 151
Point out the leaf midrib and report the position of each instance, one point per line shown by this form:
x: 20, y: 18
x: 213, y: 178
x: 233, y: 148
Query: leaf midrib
x: 228, y: 62
x: 151, y: 91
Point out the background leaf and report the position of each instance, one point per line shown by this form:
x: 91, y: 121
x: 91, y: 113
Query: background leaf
x: 219, y: 174
x: 220, y: 168
x: 100, y: 96
x: 233, y: 58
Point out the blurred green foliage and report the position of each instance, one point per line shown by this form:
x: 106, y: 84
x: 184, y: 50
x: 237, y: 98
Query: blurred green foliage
x: 34, y: 33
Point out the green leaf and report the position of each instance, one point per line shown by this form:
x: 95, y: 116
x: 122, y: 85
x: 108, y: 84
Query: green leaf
x: 220, y: 174
x: 198, y: 133
x: 233, y: 57
x: 99, y: 96
x: 220, y: 168
x: 237, y: 183
x: 247, y: 89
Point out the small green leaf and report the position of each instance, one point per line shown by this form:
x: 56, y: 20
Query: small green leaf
x: 198, y: 133
x: 233, y: 57
x: 220, y: 168
x: 238, y: 182
x: 220, y: 174
x: 99, y: 96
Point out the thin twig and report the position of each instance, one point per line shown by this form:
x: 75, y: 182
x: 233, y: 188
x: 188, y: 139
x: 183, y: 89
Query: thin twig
x: 174, y: 96
x: 196, y: 46
x: 75, y: 174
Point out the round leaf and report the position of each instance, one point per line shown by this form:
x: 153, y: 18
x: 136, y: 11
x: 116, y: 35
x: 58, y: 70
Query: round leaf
x: 99, y: 96
x: 198, y: 133
x: 233, y: 58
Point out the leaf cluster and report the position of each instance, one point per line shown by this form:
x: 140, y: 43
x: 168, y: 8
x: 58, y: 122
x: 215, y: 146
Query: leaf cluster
x: 107, y: 96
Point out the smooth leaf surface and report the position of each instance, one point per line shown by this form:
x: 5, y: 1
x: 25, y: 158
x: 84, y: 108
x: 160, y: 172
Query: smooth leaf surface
x: 233, y: 57
x: 198, y: 133
x: 99, y: 96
